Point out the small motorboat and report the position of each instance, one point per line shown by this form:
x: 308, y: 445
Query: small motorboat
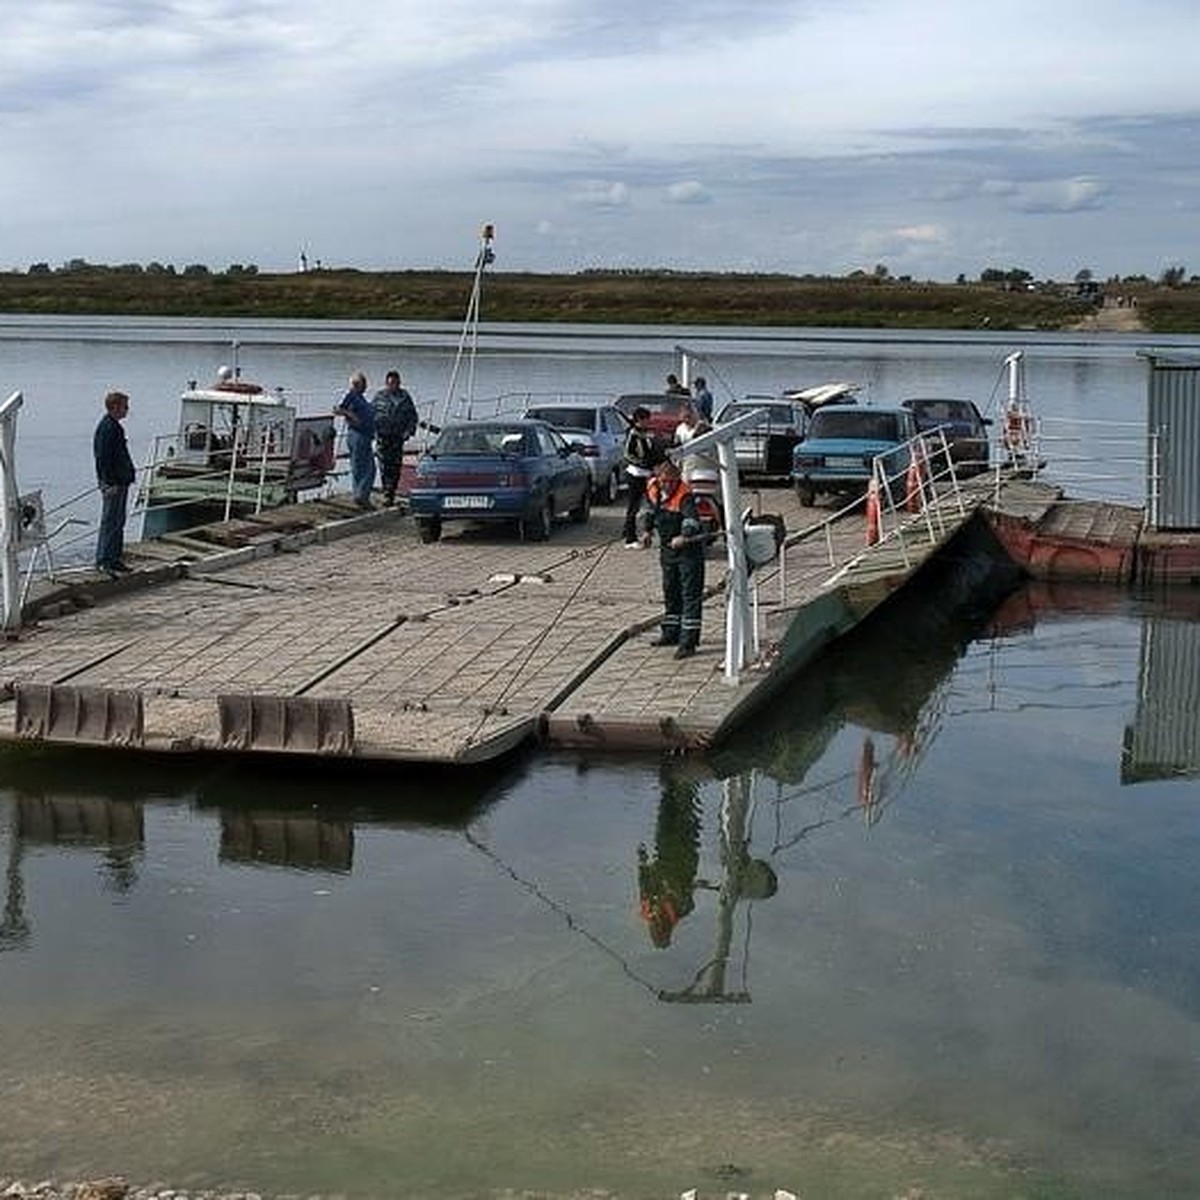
x: 238, y: 449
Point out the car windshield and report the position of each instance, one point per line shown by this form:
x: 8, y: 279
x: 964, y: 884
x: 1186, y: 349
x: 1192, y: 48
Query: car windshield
x: 777, y: 414
x: 481, y: 439
x: 564, y: 418
x: 856, y: 423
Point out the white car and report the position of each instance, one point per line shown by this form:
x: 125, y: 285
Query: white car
x: 597, y: 431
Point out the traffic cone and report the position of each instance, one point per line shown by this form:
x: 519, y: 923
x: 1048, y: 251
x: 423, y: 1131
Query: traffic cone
x: 914, y: 491
x: 873, y: 514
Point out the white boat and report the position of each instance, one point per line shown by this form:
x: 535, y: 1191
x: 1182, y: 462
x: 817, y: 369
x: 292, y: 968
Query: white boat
x: 238, y: 449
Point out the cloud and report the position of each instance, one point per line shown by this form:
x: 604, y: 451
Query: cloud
x: 689, y: 191
x: 599, y: 193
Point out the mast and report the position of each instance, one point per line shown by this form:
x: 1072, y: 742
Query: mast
x: 468, y: 341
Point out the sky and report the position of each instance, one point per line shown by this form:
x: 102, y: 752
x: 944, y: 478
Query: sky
x: 932, y: 137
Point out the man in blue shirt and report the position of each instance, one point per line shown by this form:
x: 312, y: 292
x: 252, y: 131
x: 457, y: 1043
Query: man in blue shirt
x: 360, y: 438
x: 114, y: 474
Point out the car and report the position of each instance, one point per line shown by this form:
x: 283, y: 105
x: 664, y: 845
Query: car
x: 841, y: 444
x: 766, y: 449
x: 665, y: 409
x: 598, y: 432
x: 503, y: 469
x: 965, y: 429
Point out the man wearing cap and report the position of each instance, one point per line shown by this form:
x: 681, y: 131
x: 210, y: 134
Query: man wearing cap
x: 670, y: 511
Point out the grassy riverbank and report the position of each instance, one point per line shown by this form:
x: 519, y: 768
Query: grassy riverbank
x: 648, y: 297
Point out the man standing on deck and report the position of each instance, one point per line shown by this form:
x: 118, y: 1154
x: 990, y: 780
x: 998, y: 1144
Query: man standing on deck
x: 671, y: 513
x: 395, y: 420
x: 360, y: 436
x: 114, y: 474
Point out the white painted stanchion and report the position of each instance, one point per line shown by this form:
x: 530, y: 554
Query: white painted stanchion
x: 10, y: 510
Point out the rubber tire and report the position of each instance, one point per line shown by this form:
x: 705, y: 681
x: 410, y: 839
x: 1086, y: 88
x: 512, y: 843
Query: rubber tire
x: 580, y: 514
x: 806, y: 494
x: 537, y: 528
x: 611, y: 489
x: 429, y: 529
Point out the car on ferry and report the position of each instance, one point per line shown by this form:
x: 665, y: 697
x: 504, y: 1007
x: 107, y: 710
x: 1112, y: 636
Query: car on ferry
x: 597, y: 431
x: 765, y: 450
x: 841, y: 444
x: 964, y: 427
x: 665, y: 409
x: 512, y: 470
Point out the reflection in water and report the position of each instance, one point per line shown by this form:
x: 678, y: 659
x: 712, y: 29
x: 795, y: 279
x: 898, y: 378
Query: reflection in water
x: 668, y: 879
x: 309, y: 842
x: 1163, y: 740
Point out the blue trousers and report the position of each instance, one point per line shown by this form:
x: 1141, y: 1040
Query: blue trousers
x: 362, y: 464
x: 110, y: 544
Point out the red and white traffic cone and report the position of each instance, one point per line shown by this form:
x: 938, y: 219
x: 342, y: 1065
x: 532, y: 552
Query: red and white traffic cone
x: 873, y: 513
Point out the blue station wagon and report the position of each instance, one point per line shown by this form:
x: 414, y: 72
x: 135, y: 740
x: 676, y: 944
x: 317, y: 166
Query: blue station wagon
x: 840, y: 445
x: 500, y: 470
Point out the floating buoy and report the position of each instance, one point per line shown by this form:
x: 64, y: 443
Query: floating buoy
x: 873, y: 514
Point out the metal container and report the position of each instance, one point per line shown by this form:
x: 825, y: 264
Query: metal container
x: 1173, y: 441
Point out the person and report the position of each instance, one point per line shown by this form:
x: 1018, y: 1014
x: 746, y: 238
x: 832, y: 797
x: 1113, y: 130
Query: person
x: 670, y: 511
x: 360, y: 434
x: 700, y: 471
x: 675, y: 388
x: 641, y: 454
x: 395, y: 420
x: 703, y: 399
x: 114, y: 474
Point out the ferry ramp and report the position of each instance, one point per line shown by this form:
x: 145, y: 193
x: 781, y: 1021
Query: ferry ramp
x: 376, y: 646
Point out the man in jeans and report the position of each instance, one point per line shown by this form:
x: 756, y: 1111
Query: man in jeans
x: 114, y: 474
x: 360, y: 438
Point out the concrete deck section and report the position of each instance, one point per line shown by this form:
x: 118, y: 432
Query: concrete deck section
x: 305, y: 639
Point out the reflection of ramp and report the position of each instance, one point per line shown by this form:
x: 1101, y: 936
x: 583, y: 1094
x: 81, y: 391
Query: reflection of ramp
x: 79, y: 821
x: 1164, y: 739
x: 284, y: 840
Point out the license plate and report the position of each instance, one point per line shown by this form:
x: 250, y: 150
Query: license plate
x: 466, y: 501
x: 844, y: 462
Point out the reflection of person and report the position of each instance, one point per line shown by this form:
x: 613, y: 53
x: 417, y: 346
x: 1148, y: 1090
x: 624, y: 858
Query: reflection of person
x: 114, y: 474
x: 667, y: 882
x: 641, y: 453
x: 670, y: 511
x: 360, y: 434
x: 395, y: 420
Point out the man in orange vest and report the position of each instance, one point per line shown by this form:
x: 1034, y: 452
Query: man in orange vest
x: 670, y: 511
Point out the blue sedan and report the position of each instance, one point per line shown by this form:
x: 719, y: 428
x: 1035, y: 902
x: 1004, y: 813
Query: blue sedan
x: 515, y: 470
x: 841, y: 444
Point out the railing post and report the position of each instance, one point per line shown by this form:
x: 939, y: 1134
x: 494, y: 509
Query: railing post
x: 10, y: 510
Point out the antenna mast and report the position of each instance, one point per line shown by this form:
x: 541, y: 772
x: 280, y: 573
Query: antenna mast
x: 468, y: 342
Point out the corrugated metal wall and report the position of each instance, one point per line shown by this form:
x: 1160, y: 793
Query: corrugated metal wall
x: 1173, y: 450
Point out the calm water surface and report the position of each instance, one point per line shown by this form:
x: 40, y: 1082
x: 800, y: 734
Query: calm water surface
x: 932, y: 926
x: 921, y: 930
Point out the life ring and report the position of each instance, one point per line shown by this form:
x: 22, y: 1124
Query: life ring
x: 238, y: 387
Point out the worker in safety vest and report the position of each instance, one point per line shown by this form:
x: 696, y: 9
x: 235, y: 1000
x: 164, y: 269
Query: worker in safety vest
x: 670, y: 511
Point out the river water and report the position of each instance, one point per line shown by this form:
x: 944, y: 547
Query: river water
x: 928, y: 930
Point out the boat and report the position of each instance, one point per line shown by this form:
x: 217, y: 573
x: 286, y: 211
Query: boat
x: 238, y: 448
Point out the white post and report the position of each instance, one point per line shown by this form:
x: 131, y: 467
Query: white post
x: 10, y: 510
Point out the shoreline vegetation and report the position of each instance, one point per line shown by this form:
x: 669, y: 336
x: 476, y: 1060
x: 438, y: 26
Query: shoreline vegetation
x: 641, y: 297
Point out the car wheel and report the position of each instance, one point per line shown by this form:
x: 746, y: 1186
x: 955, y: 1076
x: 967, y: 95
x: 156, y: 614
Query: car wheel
x: 429, y: 529
x: 612, y: 488
x: 805, y: 493
x: 537, y: 528
x: 579, y: 515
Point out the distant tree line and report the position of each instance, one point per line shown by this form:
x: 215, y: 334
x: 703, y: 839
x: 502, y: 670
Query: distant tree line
x: 1007, y: 278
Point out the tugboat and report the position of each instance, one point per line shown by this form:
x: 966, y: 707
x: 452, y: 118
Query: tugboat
x: 238, y: 449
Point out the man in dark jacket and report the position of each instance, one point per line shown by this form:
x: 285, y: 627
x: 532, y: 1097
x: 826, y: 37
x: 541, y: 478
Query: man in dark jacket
x: 671, y: 513
x: 114, y: 474
x: 395, y: 421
